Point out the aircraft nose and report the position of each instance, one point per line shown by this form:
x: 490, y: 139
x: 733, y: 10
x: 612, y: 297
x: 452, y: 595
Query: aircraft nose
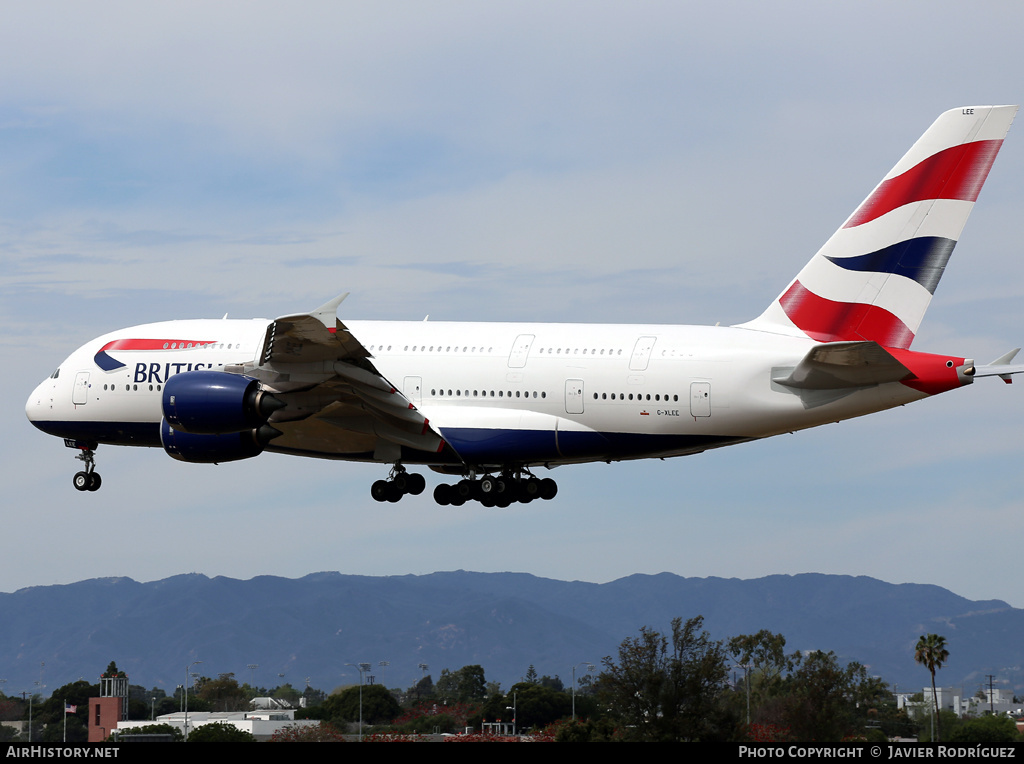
x: 39, y: 402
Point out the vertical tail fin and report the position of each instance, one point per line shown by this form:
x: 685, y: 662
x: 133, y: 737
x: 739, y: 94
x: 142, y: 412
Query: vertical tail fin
x: 874, y: 278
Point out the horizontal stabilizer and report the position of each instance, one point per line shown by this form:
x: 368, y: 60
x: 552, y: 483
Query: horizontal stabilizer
x: 837, y: 365
x: 1001, y: 367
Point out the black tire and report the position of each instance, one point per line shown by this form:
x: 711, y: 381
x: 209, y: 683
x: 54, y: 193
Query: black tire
x: 416, y: 484
x: 95, y: 481
x: 548, y: 489
x: 443, y: 494
x: 379, y: 490
x: 81, y: 481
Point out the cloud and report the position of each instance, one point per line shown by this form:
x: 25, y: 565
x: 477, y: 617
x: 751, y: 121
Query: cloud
x: 599, y: 162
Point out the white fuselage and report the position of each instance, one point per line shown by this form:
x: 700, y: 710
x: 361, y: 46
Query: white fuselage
x: 497, y: 393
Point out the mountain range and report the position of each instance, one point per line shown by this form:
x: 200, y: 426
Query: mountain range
x: 313, y: 627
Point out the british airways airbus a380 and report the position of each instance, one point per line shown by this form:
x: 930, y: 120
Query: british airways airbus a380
x: 491, y: 403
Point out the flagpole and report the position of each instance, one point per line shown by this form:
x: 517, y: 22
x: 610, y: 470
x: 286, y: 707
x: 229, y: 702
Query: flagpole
x: 65, y: 720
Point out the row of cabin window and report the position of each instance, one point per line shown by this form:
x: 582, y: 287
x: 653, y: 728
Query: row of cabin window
x: 129, y: 388
x: 211, y: 345
x: 639, y: 397
x: 492, y: 394
x: 431, y: 349
x: 576, y: 351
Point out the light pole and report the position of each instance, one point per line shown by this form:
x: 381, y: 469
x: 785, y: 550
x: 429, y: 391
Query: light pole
x: 194, y: 663
x: 252, y: 672
x: 512, y: 708
x: 362, y: 668
x: 590, y: 670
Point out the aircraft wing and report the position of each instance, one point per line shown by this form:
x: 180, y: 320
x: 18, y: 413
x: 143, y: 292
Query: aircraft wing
x: 336, y: 401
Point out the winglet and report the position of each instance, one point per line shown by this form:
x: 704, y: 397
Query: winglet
x: 327, y: 314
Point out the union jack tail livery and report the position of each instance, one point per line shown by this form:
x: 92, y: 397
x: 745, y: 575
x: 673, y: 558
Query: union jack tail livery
x: 873, y: 280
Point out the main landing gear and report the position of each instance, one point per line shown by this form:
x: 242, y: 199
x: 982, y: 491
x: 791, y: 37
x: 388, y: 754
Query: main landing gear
x: 499, y: 491
x: 88, y: 479
x: 513, y: 485
x: 398, y: 484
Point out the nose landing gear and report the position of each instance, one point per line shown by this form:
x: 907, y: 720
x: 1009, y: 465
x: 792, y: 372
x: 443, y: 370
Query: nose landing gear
x: 88, y: 479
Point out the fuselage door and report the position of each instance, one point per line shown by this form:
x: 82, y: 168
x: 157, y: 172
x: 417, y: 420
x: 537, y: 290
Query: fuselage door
x: 574, y: 396
x: 80, y: 392
x: 412, y: 387
x: 700, y: 399
x: 641, y: 353
x: 520, y: 351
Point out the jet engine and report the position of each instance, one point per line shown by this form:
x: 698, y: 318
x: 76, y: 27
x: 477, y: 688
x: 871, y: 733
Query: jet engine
x: 216, y: 403
x: 206, y: 448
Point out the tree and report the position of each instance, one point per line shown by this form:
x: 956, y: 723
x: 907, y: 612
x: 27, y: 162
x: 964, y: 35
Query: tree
x: 766, y: 666
x: 220, y: 732
x: 379, y: 705
x: 663, y: 694
x: 535, y: 705
x: 465, y: 685
x: 224, y: 694
x: 51, y: 712
x: 555, y: 683
x: 822, y: 702
x: 424, y: 688
x: 288, y: 694
x: 931, y: 653
x: 986, y: 729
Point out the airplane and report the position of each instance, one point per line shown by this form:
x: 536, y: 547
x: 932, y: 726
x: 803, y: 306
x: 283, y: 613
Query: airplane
x: 492, y: 403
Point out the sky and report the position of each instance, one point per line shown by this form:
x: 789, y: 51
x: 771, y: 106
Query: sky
x: 661, y: 162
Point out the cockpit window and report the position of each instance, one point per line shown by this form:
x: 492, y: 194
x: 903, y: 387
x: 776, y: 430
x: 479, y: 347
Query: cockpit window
x: 55, y: 374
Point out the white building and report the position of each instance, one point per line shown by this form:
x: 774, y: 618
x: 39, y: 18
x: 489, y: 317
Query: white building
x: 261, y: 724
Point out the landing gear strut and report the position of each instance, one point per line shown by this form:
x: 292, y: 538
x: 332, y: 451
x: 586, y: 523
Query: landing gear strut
x: 88, y: 479
x: 398, y: 484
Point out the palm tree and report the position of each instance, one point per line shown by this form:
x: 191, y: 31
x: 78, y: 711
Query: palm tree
x: 931, y: 652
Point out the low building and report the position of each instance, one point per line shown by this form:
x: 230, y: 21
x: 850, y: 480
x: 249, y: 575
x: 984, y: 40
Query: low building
x: 262, y: 725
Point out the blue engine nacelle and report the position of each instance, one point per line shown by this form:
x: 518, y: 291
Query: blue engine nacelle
x: 215, y: 403
x: 212, y: 449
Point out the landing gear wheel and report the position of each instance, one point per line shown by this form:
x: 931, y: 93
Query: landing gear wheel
x: 82, y: 481
x: 379, y: 490
x: 530, y: 489
x: 94, y: 481
x: 442, y: 494
x: 548, y: 489
x: 416, y: 484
